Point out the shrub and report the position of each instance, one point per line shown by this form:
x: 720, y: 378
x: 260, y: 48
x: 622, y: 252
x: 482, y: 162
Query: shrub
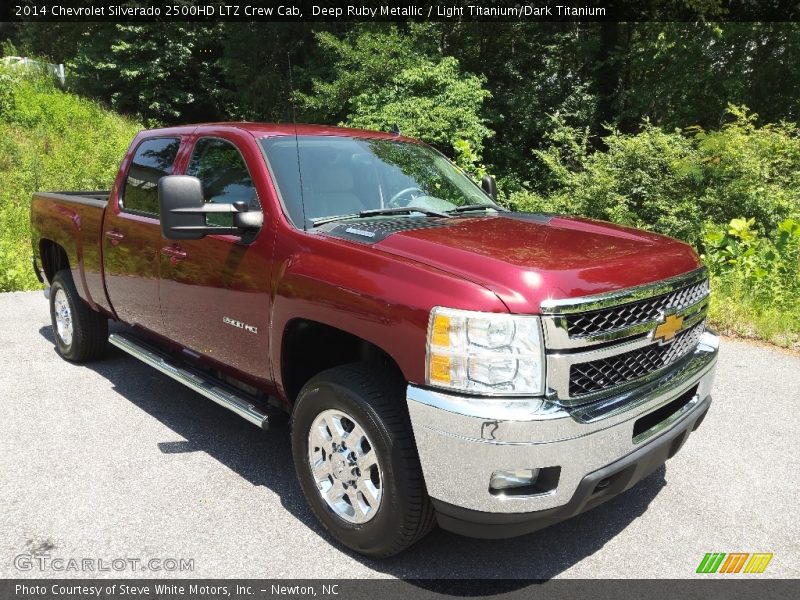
x: 762, y: 267
x: 673, y: 182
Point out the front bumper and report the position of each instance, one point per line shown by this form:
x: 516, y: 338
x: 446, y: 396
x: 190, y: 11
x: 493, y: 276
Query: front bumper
x: 591, y: 452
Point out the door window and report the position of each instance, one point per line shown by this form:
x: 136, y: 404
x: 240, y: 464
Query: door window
x: 152, y: 161
x: 224, y: 176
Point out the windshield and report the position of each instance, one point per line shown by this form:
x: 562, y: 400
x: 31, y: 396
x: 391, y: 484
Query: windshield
x: 345, y: 176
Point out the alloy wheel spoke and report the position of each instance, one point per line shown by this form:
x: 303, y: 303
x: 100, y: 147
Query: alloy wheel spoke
x: 355, y: 502
x: 367, y: 460
x: 355, y: 437
x: 335, y: 492
x: 321, y: 469
x: 319, y: 438
x: 337, y: 432
x: 371, y: 494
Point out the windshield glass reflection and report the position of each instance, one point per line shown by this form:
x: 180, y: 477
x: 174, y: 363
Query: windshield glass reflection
x: 328, y: 176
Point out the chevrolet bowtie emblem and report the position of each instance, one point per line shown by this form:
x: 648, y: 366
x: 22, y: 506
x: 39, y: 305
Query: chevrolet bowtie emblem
x: 668, y: 329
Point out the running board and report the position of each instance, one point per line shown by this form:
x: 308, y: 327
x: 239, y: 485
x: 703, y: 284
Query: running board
x: 224, y: 396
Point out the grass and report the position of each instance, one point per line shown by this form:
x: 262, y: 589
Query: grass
x: 736, y: 314
x: 50, y: 139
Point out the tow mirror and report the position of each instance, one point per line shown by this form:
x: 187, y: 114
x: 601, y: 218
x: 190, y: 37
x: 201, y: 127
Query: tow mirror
x: 183, y: 211
x: 489, y: 186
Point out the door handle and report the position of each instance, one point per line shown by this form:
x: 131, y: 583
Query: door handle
x: 114, y: 236
x: 175, y: 254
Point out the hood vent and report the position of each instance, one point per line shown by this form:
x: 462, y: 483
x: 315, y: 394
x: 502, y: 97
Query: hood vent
x: 372, y: 231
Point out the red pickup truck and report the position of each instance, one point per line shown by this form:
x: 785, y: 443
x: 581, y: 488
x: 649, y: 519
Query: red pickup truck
x: 442, y: 359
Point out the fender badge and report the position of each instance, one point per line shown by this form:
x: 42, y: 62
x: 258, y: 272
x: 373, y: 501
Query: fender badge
x: 240, y: 325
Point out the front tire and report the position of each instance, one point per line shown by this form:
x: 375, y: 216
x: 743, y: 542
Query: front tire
x: 80, y: 332
x: 356, y: 460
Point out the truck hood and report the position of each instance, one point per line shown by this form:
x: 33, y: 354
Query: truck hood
x: 527, y: 258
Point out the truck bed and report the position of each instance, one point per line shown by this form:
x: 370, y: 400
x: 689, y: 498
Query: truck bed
x: 74, y: 221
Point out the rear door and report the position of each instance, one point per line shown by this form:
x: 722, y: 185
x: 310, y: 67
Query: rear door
x: 215, y: 292
x: 132, y: 234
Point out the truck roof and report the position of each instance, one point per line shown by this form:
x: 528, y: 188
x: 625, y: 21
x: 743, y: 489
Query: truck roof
x: 279, y: 129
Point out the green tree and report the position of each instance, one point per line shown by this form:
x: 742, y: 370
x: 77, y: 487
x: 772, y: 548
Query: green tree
x: 159, y: 72
x: 532, y: 71
x: 382, y: 79
x: 680, y: 74
x: 255, y: 67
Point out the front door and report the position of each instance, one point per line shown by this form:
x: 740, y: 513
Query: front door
x: 132, y: 235
x: 215, y: 292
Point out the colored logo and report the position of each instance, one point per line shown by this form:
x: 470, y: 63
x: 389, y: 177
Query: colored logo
x: 668, y: 329
x: 734, y: 562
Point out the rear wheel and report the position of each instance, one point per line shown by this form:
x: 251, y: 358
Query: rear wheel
x: 356, y: 460
x: 80, y: 332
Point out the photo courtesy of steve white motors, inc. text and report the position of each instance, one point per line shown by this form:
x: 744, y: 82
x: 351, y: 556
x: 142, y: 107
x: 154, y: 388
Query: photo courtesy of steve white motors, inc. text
x: 172, y: 589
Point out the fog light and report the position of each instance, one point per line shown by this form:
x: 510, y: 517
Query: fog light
x: 503, y: 480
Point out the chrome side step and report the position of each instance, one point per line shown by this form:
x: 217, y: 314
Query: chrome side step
x: 209, y: 388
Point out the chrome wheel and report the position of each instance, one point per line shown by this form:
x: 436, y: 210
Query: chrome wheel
x: 63, y: 316
x: 344, y: 466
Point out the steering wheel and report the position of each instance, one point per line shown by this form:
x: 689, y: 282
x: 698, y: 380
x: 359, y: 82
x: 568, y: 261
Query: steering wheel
x: 393, y: 200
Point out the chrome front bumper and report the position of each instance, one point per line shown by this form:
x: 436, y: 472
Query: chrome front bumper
x: 462, y: 440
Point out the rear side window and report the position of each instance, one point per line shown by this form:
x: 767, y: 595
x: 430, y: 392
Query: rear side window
x: 152, y: 161
x: 223, y: 173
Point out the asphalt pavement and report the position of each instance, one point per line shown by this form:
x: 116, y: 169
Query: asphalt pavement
x: 116, y: 464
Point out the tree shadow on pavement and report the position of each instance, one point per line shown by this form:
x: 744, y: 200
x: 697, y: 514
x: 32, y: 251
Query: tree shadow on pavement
x: 264, y: 459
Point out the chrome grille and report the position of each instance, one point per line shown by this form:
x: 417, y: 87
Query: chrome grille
x: 597, y: 375
x: 606, y: 344
x: 634, y: 313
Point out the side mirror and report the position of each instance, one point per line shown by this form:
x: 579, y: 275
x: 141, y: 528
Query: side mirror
x: 183, y: 211
x: 176, y: 193
x: 489, y: 186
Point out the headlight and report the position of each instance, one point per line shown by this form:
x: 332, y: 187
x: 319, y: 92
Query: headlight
x: 485, y: 353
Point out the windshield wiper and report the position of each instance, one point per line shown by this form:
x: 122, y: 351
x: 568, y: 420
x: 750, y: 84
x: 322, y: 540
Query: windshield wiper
x: 403, y: 209
x: 468, y: 207
x: 400, y: 210
x: 322, y: 220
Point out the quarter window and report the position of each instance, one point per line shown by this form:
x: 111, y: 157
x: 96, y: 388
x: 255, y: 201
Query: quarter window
x: 152, y: 161
x: 224, y: 176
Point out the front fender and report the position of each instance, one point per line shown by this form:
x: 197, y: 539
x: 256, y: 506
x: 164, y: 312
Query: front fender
x: 381, y: 298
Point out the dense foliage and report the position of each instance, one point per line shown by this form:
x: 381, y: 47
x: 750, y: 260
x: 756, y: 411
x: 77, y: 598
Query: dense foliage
x: 640, y: 123
x: 515, y: 74
x: 673, y: 182
x: 49, y: 140
x: 428, y: 98
x: 694, y: 185
x: 757, y: 279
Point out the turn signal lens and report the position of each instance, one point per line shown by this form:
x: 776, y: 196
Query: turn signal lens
x: 440, y: 368
x: 440, y: 334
